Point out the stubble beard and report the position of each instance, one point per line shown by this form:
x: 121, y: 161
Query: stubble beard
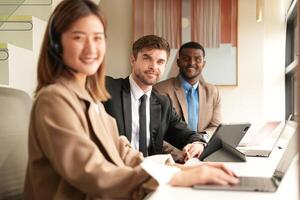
x: 143, y: 79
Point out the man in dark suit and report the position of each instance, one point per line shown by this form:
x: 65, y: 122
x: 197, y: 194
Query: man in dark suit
x: 148, y: 61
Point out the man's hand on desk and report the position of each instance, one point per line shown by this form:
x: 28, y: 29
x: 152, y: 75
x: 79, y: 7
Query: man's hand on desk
x: 206, y: 173
x: 192, y: 150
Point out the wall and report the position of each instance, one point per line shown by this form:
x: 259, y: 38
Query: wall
x: 245, y: 102
x: 23, y: 62
x: 55, y: 3
x: 274, y: 60
x: 259, y: 95
x: 119, y: 17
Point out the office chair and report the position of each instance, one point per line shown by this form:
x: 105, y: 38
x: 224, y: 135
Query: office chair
x: 15, y: 106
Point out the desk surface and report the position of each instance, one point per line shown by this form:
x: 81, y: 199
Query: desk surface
x: 255, y: 166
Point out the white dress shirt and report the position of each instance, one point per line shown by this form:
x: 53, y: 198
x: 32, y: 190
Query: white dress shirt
x: 136, y: 92
x: 154, y: 165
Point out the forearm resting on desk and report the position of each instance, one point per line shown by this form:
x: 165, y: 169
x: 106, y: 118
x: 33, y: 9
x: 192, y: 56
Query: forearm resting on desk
x: 166, y: 171
x: 206, y: 173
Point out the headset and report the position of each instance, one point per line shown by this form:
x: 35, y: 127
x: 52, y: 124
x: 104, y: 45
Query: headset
x: 54, y: 49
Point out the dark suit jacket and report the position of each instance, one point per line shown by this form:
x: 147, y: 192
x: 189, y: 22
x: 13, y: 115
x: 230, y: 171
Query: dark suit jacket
x: 165, y: 124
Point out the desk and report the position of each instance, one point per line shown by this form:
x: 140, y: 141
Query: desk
x: 254, y: 166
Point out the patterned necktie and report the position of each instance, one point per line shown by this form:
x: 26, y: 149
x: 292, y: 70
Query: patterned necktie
x: 143, y: 128
x: 192, y: 113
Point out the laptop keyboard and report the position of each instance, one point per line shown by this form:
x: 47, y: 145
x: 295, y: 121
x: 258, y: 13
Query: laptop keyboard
x: 259, y: 183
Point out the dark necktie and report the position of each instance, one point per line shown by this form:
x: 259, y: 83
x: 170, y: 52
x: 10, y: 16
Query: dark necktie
x: 143, y: 128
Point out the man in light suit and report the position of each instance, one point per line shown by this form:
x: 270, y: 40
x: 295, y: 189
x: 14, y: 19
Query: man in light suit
x: 201, y: 110
x: 148, y: 61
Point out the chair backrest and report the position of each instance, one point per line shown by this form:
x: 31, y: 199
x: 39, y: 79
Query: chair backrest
x: 15, y: 106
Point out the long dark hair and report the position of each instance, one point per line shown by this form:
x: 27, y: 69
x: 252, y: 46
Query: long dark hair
x: 50, y: 64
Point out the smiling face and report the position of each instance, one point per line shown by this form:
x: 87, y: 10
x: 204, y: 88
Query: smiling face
x: 84, y: 46
x: 191, y: 62
x: 148, y: 66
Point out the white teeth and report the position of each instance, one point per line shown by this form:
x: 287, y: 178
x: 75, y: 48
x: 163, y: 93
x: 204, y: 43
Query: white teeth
x: 87, y: 60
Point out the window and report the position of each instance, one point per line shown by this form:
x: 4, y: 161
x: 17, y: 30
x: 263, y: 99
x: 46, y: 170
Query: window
x: 292, y: 54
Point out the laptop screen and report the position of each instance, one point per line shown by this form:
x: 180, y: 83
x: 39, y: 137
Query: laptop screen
x: 291, y: 149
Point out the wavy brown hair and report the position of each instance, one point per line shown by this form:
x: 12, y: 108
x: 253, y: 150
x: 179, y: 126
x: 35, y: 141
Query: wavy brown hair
x: 150, y: 42
x: 50, y: 64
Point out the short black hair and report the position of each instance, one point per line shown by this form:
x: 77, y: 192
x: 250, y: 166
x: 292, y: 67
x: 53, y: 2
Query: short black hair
x: 192, y: 45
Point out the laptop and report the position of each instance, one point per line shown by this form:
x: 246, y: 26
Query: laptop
x: 222, y: 145
x: 265, y: 184
x: 265, y: 142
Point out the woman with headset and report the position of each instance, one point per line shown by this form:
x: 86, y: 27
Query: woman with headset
x: 75, y: 151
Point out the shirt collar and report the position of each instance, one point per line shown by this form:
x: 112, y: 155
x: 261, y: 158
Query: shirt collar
x: 136, y: 91
x: 186, y: 85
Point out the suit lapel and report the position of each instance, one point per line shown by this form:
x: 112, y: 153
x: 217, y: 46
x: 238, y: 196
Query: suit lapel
x: 155, y: 118
x: 202, y: 107
x: 181, y: 97
x: 101, y: 129
x: 102, y: 125
x: 126, y: 99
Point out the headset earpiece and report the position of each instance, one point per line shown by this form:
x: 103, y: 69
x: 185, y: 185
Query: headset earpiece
x: 55, y: 49
x: 54, y: 46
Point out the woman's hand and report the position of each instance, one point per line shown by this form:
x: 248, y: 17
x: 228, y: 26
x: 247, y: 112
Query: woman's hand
x: 207, y: 173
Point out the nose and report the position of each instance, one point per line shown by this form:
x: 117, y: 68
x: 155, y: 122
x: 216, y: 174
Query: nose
x: 89, y: 46
x: 153, y: 65
x: 192, y: 61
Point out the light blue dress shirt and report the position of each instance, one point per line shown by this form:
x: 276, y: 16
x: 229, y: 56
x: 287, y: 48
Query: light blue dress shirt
x: 192, y: 99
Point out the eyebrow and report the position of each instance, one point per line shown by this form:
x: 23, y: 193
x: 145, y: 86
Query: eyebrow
x: 81, y: 32
x: 162, y: 60
x: 145, y: 54
x: 149, y: 56
x: 197, y: 56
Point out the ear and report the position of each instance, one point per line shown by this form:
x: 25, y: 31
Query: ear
x: 132, y: 59
x: 204, y: 62
x: 177, y: 61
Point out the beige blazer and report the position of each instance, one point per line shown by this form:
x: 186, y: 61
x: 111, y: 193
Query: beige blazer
x: 209, y: 105
x: 75, y: 151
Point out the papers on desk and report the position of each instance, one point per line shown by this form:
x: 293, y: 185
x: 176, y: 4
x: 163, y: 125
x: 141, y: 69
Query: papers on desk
x: 155, y: 167
x: 193, y: 162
